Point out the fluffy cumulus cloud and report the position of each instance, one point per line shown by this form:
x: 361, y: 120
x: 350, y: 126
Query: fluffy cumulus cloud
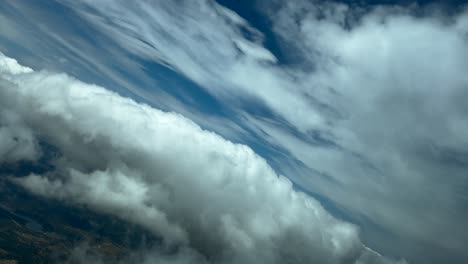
x: 218, y: 202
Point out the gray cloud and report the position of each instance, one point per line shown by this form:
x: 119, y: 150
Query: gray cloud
x: 17, y: 141
x: 398, y: 83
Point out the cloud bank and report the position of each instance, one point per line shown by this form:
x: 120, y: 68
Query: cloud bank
x: 194, y: 189
x: 399, y: 85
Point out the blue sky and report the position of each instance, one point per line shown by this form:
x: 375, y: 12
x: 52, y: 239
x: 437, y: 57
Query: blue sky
x: 360, y: 104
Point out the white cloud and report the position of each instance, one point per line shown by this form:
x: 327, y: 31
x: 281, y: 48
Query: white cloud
x: 163, y: 172
x: 11, y: 66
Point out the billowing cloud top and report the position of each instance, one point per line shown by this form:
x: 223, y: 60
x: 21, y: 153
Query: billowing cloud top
x: 196, y: 190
